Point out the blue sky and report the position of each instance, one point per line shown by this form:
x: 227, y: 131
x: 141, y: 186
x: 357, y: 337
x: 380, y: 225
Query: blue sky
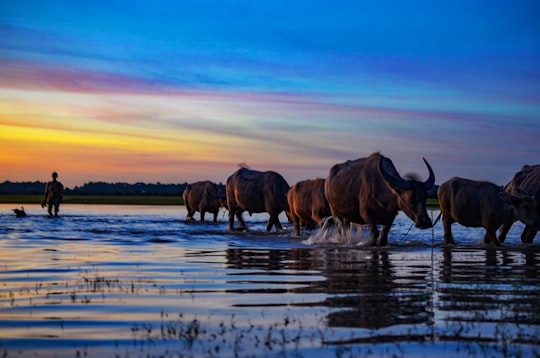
x: 186, y: 90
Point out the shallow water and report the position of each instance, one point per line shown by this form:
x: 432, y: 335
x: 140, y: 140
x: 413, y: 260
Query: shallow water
x: 108, y: 281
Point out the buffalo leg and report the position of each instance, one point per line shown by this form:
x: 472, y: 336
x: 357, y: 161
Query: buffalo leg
x: 274, y: 220
x: 528, y: 234
x: 383, y: 237
x: 297, y: 230
x: 202, y: 215
x: 491, y: 235
x: 297, y: 226
x: 505, y: 227
x: 296, y: 223
x: 238, y: 213
x: 310, y: 225
x: 231, y: 219
x: 215, y: 216
x: 190, y: 212
x: 447, y: 226
x: 302, y: 225
x: 241, y: 220
x: 374, y: 235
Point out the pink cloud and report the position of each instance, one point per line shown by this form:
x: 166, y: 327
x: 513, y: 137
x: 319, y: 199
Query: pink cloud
x: 37, y: 76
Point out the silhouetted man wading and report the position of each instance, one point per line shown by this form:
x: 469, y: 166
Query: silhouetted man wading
x: 54, y: 193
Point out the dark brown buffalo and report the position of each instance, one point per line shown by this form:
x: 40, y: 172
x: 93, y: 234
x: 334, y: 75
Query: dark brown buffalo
x: 474, y: 203
x: 256, y: 192
x: 525, y: 182
x: 307, y: 204
x: 204, y: 197
x: 370, y: 191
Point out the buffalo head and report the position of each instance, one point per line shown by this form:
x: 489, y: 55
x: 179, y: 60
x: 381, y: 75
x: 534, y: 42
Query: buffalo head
x: 525, y: 207
x: 411, y: 194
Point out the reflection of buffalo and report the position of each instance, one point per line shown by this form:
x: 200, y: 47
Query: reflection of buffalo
x: 368, y: 292
x: 475, y: 285
x: 249, y: 259
x: 371, y: 191
x: 482, y: 204
x: 203, y: 196
x: 362, y: 288
x: 256, y: 192
x: 307, y: 204
x: 526, y: 181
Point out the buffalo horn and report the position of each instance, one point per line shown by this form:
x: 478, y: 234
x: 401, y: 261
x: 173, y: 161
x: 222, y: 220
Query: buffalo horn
x: 430, y: 182
x: 390, y: 174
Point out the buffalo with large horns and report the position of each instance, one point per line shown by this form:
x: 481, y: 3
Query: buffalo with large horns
x: 256, y: 192
x: 371, y: 191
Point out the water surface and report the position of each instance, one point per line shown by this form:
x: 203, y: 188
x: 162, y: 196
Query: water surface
x: 138, y: 281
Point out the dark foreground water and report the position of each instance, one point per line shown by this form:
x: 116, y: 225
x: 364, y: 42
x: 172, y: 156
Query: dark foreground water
x: 120, y: 281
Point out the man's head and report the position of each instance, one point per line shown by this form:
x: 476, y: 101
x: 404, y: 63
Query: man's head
x: 55, y: 175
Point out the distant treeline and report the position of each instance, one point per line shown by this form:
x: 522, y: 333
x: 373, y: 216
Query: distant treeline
x: 98, y: 188
x: 116, y: 189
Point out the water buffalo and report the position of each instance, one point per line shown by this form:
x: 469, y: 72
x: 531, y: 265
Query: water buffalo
x: 526, y: 181
x: 307, y: 204
x: 256, y: 192
x: 370, y: 191
x: 203, y: 196
x: 474, y: 203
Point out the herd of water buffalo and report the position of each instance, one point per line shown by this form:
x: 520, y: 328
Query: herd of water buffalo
x: 370, y: 191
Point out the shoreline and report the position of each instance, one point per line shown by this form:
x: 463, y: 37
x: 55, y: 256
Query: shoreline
x: 121, y: 200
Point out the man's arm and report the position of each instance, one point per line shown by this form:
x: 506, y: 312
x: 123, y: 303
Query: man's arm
x: 61, y: 194
x: 44, y: 202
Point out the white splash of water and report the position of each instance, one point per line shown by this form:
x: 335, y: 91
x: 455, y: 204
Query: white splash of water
x: 333, y: 232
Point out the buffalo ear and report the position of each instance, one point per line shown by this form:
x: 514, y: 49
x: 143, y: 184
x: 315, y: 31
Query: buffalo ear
x: 522, y: 192
x: 509, y: 199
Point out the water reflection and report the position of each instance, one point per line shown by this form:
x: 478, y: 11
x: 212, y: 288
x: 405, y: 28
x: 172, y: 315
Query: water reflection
x: 122, y: 279
x: 378, y: 297
x: 483, y: 296
x: 363, y: 288
x: 490, y: 295
x: 489, y: 266
x: 250, y: 259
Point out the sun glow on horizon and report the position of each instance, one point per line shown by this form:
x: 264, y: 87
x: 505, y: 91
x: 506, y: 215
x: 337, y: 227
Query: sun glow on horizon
x: 122, y: 133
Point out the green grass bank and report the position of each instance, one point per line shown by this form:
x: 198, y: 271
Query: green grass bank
x: 96, y: 199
